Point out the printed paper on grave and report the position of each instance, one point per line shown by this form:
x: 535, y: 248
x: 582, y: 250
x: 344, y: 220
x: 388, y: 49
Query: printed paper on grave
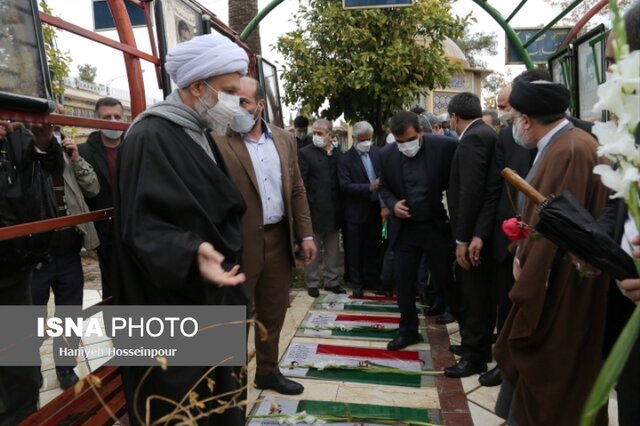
x: 367, y: 327
x: 361, y: 365
x: 273, y: 411
x: 343, y: 302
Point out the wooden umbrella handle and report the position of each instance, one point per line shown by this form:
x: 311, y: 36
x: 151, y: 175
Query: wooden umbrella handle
x: 522, y: 185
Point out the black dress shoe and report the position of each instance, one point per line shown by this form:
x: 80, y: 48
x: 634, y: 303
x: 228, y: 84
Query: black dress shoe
x: 67, y: 377
x: 313, y: 292
x: 387, y: 292
x: 358, y: 293
x: 401, y: 341
x: 336, y: 289
x: 279, y: 383
x: 456, y: 349
x: 465, y: 368
x: 491, y: 377
x: 445, y: 318
x: 434, y: 310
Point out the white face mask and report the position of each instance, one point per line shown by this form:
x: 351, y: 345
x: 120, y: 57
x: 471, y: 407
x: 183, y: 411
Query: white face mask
x: 363, y: 146
x: 243, y: 122
x: 409, y: 148
x: 219, y: 115
x: 318, y: 141
x: 111, y: 134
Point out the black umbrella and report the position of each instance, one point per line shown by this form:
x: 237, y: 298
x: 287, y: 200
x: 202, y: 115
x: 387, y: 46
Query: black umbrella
x: 567, y: 224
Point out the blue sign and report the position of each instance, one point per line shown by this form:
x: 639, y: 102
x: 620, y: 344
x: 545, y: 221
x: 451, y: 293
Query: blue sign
x: 370, y: 4
x: 103, y: 20
x: 541, y: 49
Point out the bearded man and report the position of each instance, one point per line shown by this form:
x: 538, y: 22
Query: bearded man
x: 177, y: 219
x: 548, y: 349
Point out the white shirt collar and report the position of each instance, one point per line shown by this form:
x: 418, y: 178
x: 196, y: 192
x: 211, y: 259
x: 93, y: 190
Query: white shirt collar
x: 542, y: 143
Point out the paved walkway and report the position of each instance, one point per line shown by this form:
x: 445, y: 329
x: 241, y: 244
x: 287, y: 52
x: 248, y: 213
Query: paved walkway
x: 463, y: 402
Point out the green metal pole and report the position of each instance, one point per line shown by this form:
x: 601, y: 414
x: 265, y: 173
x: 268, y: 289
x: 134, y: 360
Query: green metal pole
x: 497, y: 16
x: 259, y: 17
x: 550, y: 24
x: 510, y: 17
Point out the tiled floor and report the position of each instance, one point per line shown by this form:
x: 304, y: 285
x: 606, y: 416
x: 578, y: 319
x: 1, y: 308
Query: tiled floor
x: 480, y: 400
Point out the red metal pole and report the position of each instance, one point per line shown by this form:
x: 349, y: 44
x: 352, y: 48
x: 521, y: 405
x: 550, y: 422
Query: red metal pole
x: 132, y: 63
x: 582, y: 22
x: 15, y: 231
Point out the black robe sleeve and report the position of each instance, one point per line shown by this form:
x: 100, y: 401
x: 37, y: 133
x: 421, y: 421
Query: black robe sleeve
x: 170, y: 198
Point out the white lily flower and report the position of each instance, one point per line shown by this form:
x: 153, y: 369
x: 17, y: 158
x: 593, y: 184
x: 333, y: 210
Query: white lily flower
x: 628, y: 68
x: 321, y: 365
x: 610, y: 95
x: 618, y: 180
x: 615, y: 141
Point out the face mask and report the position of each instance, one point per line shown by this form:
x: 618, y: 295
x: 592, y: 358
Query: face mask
x: 519, y: 139
x: 243, y: 122
x: 363, y: 146
x: 335, y: 144
x: 111, y: 134
x: 301, y: 135
x: 318, y: 141
x: 410, y: 148
x: 504, y: 116
x: 219, y: 115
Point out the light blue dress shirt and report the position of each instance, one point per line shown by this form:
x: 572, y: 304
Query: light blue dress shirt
x: 266, y: 165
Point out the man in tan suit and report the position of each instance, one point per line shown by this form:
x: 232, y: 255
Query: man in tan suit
x: 262, y: 162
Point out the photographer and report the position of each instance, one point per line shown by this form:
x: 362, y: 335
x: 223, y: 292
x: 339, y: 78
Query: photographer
x: 26, y: 194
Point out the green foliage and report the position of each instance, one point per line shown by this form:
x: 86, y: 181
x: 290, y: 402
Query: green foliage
x: 87, y: 73
x: 492, y: 85
x: 475, y: 44
x: 58, y: 60
x: 367, y: 63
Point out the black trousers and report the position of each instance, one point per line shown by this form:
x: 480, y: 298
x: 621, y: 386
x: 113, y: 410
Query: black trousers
x: 414, y: 241
x: 477, y: 309
x: 362, y: 250
x: 19, y: 386
x: 64, y: 276
x: 105, y: 260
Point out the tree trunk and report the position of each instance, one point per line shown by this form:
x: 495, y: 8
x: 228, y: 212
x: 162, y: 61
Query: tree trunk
x: 241, y: 12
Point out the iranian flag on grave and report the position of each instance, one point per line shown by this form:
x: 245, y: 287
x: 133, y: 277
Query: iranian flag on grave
x: 343, y: 302
x: 277, y: 411
x: 328, y: 325
x: 362, y: 365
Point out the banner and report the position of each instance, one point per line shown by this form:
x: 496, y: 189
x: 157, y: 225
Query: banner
x: 274, y: 411
x: 330, y: 325
x: 362, y: 365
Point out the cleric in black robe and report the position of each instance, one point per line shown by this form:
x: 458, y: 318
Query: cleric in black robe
x: 177, y: 213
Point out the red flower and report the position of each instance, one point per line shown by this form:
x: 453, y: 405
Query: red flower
x: 515, y: 229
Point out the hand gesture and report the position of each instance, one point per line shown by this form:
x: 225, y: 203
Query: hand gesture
x: 210, y: 264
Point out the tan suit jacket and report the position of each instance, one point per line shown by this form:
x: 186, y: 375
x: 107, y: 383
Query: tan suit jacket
x: 238, y: 162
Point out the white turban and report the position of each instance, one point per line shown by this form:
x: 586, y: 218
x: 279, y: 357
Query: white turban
x: 203, y: 57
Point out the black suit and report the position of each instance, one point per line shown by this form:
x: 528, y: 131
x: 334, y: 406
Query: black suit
x: 319, y: 172
x: 467, y: 185
x: 619, y: 309
x: 305, y: 141
x: 93, y: 152
x: 499, y: 204
x: 427, y: 231
x: 361, y: 214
